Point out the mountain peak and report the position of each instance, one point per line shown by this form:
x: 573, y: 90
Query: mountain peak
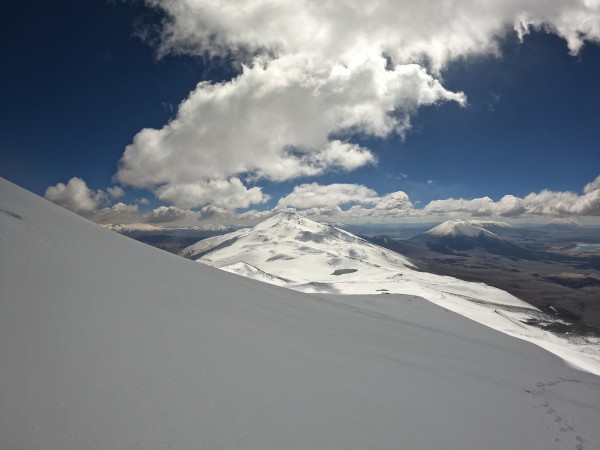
x: 288, y: 214
x: 288, y: 219
x: 464, y: 228
x: 564, y: 221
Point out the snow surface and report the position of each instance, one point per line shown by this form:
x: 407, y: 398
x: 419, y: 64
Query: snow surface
x: 465, y: 228
x: 106, y: 343
x: 291, y: 247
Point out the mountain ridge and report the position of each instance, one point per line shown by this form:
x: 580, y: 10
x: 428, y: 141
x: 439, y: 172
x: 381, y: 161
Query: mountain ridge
x: 319, y: 258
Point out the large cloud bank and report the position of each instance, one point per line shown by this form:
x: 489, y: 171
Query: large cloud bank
x: 314, y: 74
x: 341, y: 202
x: 326, y: 201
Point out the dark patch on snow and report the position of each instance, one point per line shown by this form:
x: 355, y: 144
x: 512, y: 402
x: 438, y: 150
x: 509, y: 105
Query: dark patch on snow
x: 344, y: 271
x: 280, y: 256
x: 308, y: 236
x: 223, y: 244
x: 11, y: 214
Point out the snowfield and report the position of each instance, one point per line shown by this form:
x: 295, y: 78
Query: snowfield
x: 107, y: 343
x: 293, y: 251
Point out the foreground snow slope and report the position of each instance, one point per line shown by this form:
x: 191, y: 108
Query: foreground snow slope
x: 106, y: 343
x: 291, y: 250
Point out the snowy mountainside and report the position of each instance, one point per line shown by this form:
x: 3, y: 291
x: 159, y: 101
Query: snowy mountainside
x: 292, y: 244
x: 108, y: 343
x: 319, y: 258
x: 196, y: 250
x: 465, y: 228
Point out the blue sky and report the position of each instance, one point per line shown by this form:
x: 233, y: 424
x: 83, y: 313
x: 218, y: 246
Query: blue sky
x: 79, y: 83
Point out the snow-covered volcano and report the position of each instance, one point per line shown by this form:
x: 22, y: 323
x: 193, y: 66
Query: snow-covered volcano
x: 313, y: 257
x: 462, y: 228
x: 293, y: 251
x: 107, y: 343
x: 456, y: 236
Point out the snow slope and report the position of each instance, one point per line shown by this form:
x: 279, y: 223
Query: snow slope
x: 106, y: 343
x: 319, y: 258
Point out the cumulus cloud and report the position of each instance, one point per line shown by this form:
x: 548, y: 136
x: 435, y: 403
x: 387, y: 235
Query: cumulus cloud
x: 167, y: 214
x: 544, y: 203
x: 76, y: 196
x: 115, y: 192
x: 563, y: 203
x: 475, y: 207
x: 405, y: 30
x: 592, y: 186
x: 314, y: 195
x: 275, y: 121
x: 229, y: 193
x: 119, y: 213
x: 324, y: 212
x: 253, y: 215
x: 509, y: 206
x: 395, y: 201
x: 312, y: 75
x: 211, y: 212
x: 324, y: 202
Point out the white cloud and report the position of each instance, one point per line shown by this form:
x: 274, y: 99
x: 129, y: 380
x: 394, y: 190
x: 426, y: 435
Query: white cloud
x: 254, y: 215
x: 214, y: 212
x: 592, y: 186
x: 344, y: 155
x: 544, y: 203
x: 314, y: 195
x: 405, y: 30
x: 395, y: 201
x: 324, y: 202
x: 167, y: 214
x: 75, y: 196
x: 115, y: 192
x: 274, y: 121
x: 563, y: 203
x: 475, y: 207
x: 119, y: 213
x: 225, y: 193
x: 324, y: 212
x: 510, y: 206
x: 313, y: 75
x: 79, y: 198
